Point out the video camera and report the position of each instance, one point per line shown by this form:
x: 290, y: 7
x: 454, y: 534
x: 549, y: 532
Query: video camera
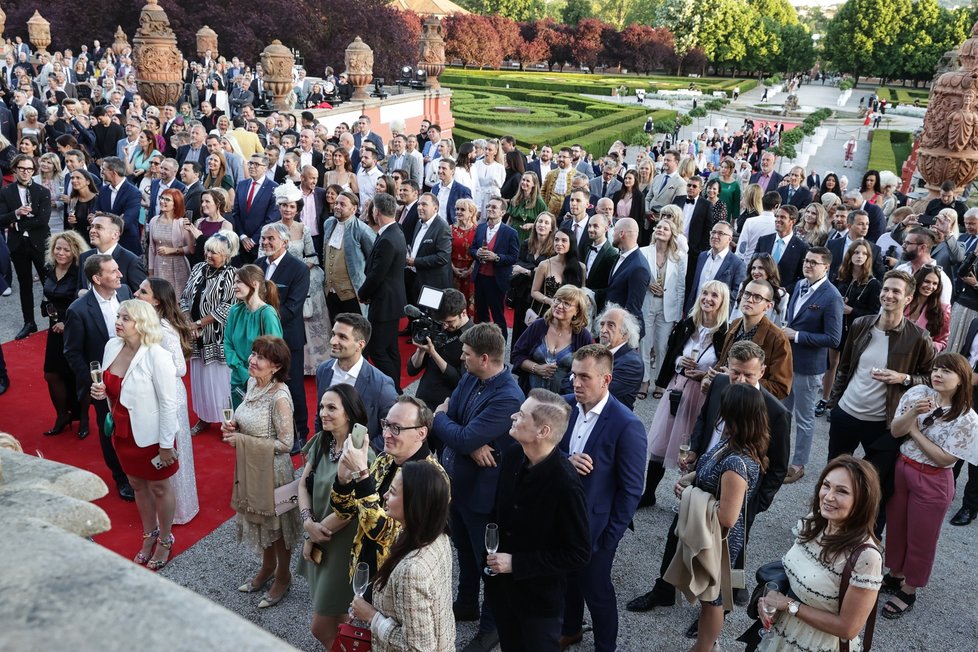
x: 967, y: 268
x: 423, y: 325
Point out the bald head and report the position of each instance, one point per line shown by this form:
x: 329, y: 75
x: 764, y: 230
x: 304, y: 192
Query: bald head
x: 626, y: 234
x: 605, y: 207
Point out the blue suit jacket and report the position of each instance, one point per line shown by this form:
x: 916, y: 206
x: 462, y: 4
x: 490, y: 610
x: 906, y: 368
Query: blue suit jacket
x: 732, y: 271
x: 508, y: 248
x: 154, y: 193
x: 627, y: 286
x: 457, y: 192
x: 375, y: 388
x: 626, y: 378
x: 127, y: 205
x: 263, y: 211
x: 617, y: 447
x: 371, y: 138
x: 789, y: 267
x: 473, y: 420
x: 819, y: 326
x: 291, y: 277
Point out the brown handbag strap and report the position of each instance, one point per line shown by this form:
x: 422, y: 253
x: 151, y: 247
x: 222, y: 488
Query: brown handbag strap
x: 844, y: 586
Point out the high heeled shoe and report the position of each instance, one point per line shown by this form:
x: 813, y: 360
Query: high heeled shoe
x: 83, y: 428
x: 60, y: 424
x: 159, y: 564
x: 248, y: 587
x: 140, y: 557
x: 268, y: 601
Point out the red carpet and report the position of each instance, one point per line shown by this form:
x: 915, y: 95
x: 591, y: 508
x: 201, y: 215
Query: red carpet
x: 27, y: 412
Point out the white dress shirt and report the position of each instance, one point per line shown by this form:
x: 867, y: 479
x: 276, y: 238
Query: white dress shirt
x: 341, y: 377
x: 713, y: 263
x: 110, y: 310
x: 585, y: 425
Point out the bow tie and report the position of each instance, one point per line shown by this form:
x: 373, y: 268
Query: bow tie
x: 595, y: 248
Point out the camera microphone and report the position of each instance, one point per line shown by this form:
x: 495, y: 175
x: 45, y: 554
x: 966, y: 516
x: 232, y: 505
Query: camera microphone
x: 412, y: 312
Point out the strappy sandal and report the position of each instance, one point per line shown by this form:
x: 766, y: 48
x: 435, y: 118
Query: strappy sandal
x: 657, y: 394
x: 141, y: 557
x: 891, y: 584
x: 892, y: 611
x: 159, y: 564
x: 643, y: 392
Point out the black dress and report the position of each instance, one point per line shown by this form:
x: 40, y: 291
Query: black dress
x: 84, y: 211
x: 59, y: 293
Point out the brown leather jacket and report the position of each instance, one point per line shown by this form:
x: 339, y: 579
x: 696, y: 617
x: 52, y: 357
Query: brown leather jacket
x: 910, y: 351
x: 777, y: 355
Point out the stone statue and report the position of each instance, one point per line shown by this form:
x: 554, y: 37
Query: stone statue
x: 432, y: 51
x: 158, y: 62
x: 359, y: 67
x: 276, y: 64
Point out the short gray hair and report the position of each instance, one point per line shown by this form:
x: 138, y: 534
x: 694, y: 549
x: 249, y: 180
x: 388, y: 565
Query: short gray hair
x: 853, y: 194
x: 279, y: 228
x: 629, y: 323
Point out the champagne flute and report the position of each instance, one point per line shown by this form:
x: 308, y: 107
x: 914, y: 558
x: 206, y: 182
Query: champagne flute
x: 492, y: 543
x: 769, y: 608
x: 361, y: 578
x: 684, y: 457
x: 71, y: 210
x: 96, y: 370
x: 227, y: 412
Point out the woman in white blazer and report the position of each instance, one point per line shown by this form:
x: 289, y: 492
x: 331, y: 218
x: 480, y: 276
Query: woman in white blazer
x: 139, y: 381
x: 663, y: 305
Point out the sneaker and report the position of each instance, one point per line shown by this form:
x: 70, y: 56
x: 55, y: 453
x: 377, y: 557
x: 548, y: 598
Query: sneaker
x: 795, y: 473
x: 820, y: 407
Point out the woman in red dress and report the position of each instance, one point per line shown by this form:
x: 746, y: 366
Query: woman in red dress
x: 466, y: 216
x: 139, y: 381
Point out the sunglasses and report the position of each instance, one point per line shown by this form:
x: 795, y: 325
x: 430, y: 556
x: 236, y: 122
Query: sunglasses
x: 933, y: 416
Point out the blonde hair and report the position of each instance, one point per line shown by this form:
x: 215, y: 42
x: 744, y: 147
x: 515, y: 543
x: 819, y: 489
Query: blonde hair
x: 147, y: 320
x: 674, y: 214
x: 10, y: 442
x: 75, y: 242
x: 468, y: 203
x: 724, y: 310
x: 672, y: 247
x: 752, y: 198
x: 576, y: 296
x: 687, y: 167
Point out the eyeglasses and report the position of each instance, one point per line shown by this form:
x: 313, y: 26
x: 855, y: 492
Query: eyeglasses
x: 562, y: 303
x: 933, y: 416
x: 395, y: 429
x: 812, y: 263
x: 752, y: 297
x: 24, y: 169
x: 720, y: 233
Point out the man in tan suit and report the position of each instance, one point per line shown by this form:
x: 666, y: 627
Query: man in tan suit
x: 666, y: 186
x: 557, y: 185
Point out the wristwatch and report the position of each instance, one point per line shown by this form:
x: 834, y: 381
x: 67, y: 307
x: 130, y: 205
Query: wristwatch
x: 906, y: 381
x: 361, y: 474
x: 197, y: 323
x: 792, y: 607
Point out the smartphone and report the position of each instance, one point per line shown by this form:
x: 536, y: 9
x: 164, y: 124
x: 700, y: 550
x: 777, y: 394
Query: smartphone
x: 926, y: 220
x: 157, y: 463
x: 358, y: 435
x: 316, y: 554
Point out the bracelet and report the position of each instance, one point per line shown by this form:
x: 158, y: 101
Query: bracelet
x: 305, y: 514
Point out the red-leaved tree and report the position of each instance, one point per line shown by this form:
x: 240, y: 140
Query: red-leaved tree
x: 586, y: 42
x: 533, y: 45
x: 471, y: 39
x: 508, y: 34
x: 647, y: 48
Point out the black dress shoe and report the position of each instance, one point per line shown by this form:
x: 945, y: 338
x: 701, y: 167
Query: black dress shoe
x: 83, y: 429
x: 465, y: 614
x: 483, y: 642
x: 126, y: 492
x: 650, y: 601
x: 59, y: 425
x: 29, y: 327
x: 964, y: 516
x: 4, y: 384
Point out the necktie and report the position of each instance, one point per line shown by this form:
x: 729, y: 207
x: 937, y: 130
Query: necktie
x: 791, y: 194
x: 836, y: 235
x: 778, y: 249
x: 577, y: 230
x: 251, y: 195
x: 665, y: 182
x: 972, y: 241
x: 604, y: 188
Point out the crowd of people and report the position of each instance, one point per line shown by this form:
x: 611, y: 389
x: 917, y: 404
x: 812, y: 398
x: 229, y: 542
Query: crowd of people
x: 251, y: 254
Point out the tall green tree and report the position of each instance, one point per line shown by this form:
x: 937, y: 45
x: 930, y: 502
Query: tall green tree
x: 722, y: 35
x: 797, y: 49
x: 577, y: 10
x: 780, y: 11
x: 862, y: 32
x: 763, y: 46
x: 683, y: 18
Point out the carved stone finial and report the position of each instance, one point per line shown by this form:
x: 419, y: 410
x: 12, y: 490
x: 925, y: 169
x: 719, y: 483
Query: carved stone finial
x: 39, y: 32
x: 158, y: 62
x: 121, y: 41
x: 432, y: 51
x: 359, y: 67
x: 276, y: 64
x: 206, y: 40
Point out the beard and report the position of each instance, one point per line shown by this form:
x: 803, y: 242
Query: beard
x: 909, y: 256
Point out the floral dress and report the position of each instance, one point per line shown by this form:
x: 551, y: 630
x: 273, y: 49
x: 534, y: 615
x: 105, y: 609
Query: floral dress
x: 462, y: 258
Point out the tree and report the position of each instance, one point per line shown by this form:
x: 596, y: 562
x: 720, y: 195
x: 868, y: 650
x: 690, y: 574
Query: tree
x: 797, y: 49
x: 558, y: 40
x: 576, y: 10
x: 722, y: 36
x: 780, y: 11
x: 508, y: 35
x: 471, y: 38
x: 533, y: 46
x: 683, y: 18
x: 935, y: 31
x: 586, y: 42
x: 646, y: 48
x: 515, y: 9
x: 861, y: 32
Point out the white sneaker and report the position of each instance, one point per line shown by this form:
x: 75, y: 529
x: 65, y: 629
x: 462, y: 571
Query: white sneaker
x: 7, y: 292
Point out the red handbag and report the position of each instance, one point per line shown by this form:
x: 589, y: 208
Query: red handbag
x: 350, y: 638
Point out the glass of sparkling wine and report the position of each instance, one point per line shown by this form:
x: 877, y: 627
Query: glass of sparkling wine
x: 770, y: 589
x: 96, y: 371
x: 492, y: 543
x: 227, y: 412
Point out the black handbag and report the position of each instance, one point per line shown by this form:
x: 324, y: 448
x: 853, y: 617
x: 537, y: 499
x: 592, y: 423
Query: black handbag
x: 773, y: 571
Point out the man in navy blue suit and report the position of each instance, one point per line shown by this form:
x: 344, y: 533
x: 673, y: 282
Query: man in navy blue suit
x: 718, y: 263
x: 795, y: 193
x: 813, y: 326
x: 473, y: 425
x: 120, y: 197
x: 877, y: 219
x: 495, y: 247
x: 606, y: 443
x: 448, y: 191
x: 787, y: 248
x: 291, y: 277
x: 168, y: 179
x: 618, y: 330
x: 254, y: 207
x: 630, y: 277
x: 363, y: 134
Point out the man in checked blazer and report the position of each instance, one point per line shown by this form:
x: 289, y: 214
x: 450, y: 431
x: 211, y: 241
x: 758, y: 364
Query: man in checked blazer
x: 666, y: 186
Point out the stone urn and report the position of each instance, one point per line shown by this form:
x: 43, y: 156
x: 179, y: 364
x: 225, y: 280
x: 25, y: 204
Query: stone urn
x: 39, y: 32
x: 158, y: 62
x: 949, y: 145
x: 432, y: 51
x: 276, y: 63
x: 3, y: 20
x: 121, y: 42
x: 206, y: 40
x: 360, y: 68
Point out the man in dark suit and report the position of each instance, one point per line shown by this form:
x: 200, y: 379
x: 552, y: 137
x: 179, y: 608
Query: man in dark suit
x: 448, y: 191
x: 877, y: 219
x: 107, y: 134
x: 105, y: 231
x: 197, y: 149
x: 599, y: 259
x: 787, y: 249
x: 607, y: 184
x: 429, y: 258
x: 838, y: 244
x: 254, y: 207
x: 349, y: 337
x: 745, y: 364
x: 813, y: 181
x: 543, y: 526
x: 618, y: 330
x: 718, y: 263
x: 495, y: 247
x: 89, y: 323
x: 25, y: 210
x: 407, y: 198
x: 363, y: 134
x: 630, y: 277
x: 576, y: 220
x: 291, y: 276
x: 795, y: 193
x: 168, y: 179
x: 473, y: 425
x: 193, y: 189
x: 308, y: 155
x: 606, y: 444
x: 969, y: 504
x: 767, y: 178
x: 543, y: 164
x: 313, y: 207
x: 813, y: 325
x: 119, y: 197
x: 383, y: 289
x: 580, y: 182
x: 239, y: 96
x: 697, y: 224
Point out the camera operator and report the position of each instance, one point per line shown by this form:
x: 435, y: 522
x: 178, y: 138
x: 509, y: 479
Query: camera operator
x: 441, y: 363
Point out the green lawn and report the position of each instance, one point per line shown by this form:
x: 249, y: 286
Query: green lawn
x: 889, y: 150
x: 896, y: 95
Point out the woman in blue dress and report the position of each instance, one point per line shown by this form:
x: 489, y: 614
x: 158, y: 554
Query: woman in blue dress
x: 730, y: 470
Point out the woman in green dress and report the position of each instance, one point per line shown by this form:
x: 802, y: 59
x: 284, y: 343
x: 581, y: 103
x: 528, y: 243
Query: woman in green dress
x: 526, y: 205
x: 328, y: 543
x: 729, y: 187
x: 255, y: 314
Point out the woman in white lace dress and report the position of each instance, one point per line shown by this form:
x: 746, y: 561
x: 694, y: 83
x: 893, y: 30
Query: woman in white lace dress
x: 841, y: 522
x: 262, y: 432
x: 177, y: 337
